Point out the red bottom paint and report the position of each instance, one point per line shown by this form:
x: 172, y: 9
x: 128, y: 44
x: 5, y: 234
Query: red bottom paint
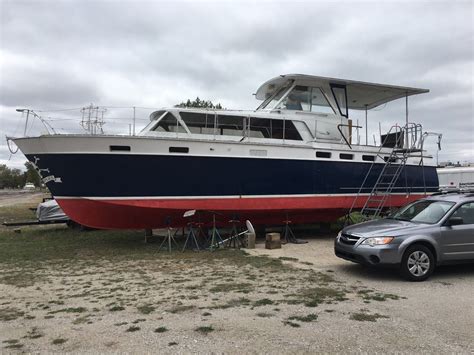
x: 156, y: 213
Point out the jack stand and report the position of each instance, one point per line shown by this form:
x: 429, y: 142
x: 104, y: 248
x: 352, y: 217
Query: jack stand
x: 216, y: 238
x: 234, y: 240
x: 169, y: 238
x: 191, y: 237
x: 148, y: 233
x: 288, y: 235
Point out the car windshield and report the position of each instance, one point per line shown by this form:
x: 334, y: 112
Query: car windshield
x: 425, y: 211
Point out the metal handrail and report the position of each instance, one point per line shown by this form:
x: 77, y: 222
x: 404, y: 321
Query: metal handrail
x: 342, y: 134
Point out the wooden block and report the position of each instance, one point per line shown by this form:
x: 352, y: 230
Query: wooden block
x: 273, y: 244
x: 272, y: 237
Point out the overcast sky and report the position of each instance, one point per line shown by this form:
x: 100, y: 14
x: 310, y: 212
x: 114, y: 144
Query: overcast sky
x: 67, y: 54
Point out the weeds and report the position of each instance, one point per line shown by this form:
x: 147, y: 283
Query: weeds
x: 133, y: 328
x: 306, y: 319
x: 365, y: 317
x: 204, y: 329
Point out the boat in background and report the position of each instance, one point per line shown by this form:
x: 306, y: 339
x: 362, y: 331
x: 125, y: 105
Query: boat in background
x: 291, y: 158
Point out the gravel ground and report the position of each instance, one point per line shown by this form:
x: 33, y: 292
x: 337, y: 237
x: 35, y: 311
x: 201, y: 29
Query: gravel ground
x: 215, y: 306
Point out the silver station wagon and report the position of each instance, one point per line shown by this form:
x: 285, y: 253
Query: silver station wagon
x: 421, y: 235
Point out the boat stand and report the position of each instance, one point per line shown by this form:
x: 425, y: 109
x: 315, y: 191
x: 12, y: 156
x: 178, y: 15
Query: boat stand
x: 169, y: 240
x: 216, y: 239
x: 235, y: 240
x: 192, y: 238
x: 289, y: 236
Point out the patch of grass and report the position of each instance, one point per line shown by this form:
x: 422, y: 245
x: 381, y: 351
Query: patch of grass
x: 20, y: 279
x: 133, y: 328
x: 312, y: 297
x: 172, y: 343
x: 368, y: 295
x: 120, y: 324
x: 11, y: 341
x: 306, y: 319
x: 263, y: 302
x: 136, y: 321
x: 265, y: 315
x: 232, y: 287
x: 287, y: 258
x: 306, y: 263
x: 206, y: 329
x: 58, y: 341
x: 206, y: 314
x: 70, y: 310
x: 14, y: 346
x: 161, y: 330
x: 81, y: 320
x: 291, y: 324
x: 9, y: 313
x: 236, y: 302
x: 365, y: 317
x: 116, y: 309
x: 145, y: 309
x: 181, y: 308
x: 34, y: 333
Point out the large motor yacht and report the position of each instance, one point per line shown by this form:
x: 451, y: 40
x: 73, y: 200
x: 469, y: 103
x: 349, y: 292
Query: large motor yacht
x: 296, y: 157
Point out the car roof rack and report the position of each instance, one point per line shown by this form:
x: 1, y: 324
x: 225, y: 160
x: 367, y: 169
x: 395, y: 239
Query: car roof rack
x: 469, y: 191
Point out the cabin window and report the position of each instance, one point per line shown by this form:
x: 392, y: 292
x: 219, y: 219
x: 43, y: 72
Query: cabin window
x: 200, y: 123
x: 276, y: 129
x: 326, y: 155
x: 169, y: 123
x: 340, y: 95
x: 230, y: 125
x: 346, y: 156
x: 368, y: 157
x: 319, y: 103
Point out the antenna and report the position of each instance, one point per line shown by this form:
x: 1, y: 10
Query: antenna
x: 93, y: 119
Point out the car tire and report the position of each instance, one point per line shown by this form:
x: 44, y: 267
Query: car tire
x: 418, y: 263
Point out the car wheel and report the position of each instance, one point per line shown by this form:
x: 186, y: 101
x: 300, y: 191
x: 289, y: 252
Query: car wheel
x: 418, y: 263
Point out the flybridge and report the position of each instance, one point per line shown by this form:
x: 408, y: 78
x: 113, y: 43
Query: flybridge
x: 343, y: 93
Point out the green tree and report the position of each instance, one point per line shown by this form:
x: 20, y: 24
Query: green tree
x: 198, y: 103
x: 11, y: 178
x: 31, y: 175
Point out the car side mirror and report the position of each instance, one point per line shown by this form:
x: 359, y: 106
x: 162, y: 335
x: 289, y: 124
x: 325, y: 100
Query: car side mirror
x: 455, y: 221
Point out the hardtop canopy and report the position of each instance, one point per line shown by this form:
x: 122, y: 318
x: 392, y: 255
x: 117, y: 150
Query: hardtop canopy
x: 360, y: 95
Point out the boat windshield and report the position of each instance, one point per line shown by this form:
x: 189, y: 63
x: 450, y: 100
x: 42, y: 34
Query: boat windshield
x: 273, y: 99
x: 424, y: 211
x: 304, y: 98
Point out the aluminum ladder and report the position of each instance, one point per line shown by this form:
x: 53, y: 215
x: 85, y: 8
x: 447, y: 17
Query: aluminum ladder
x: 391, y: 171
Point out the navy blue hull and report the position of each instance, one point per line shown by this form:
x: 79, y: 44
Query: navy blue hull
x: 124, y: 175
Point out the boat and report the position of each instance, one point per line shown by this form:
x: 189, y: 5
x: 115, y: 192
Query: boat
x: 297, y: 157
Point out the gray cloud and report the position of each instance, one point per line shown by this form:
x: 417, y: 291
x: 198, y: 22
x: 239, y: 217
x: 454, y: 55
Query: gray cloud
x: 154, y: 54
